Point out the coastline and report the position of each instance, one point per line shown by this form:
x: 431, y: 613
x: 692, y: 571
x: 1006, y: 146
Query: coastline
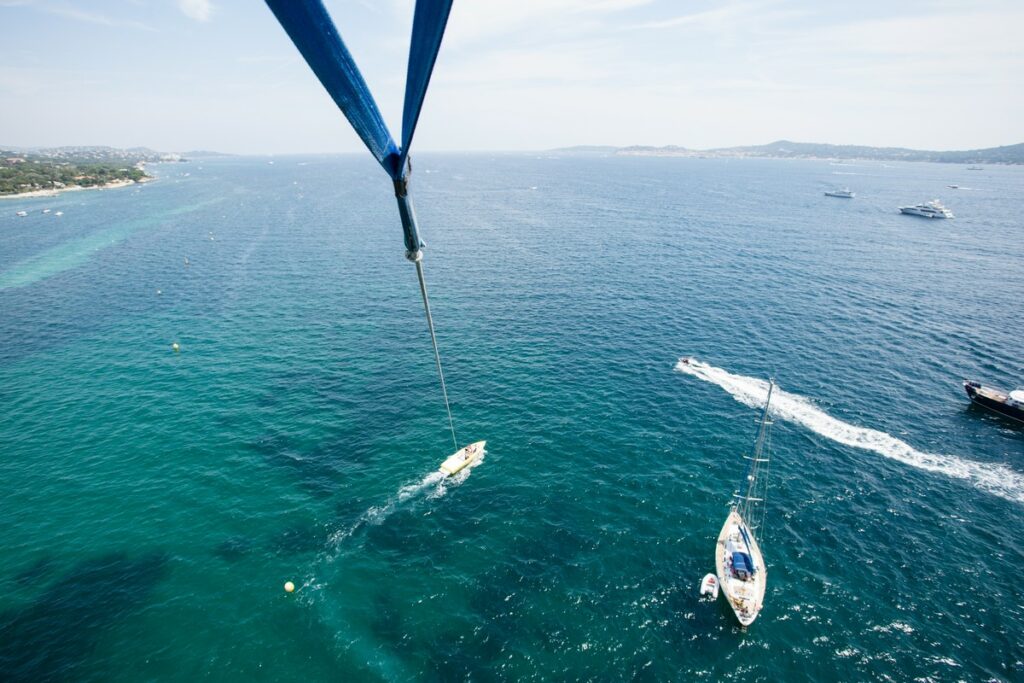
x: 112, y: 185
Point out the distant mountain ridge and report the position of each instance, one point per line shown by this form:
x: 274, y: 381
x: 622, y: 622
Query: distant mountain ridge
x: 786, y: 149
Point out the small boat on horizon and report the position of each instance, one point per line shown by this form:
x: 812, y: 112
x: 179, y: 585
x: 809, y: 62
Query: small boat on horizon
x: 1008, y: 404
x: 975, y: 168
x: 932, y: 209
x: 844, y: 193
x: 462, y: 459
x: 741, y: 570
x: 22, y: 213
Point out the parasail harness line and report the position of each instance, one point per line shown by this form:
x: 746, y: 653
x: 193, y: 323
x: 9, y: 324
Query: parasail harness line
x: 411, y: 231
x: 311, y: 29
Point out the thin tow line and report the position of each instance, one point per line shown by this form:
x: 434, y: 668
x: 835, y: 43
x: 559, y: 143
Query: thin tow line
x: 437, y: 354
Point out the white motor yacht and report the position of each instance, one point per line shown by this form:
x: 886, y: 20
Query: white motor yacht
x: 932, y: 209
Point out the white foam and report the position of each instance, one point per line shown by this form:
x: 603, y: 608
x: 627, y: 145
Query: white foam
x: 996, y: 479
x: 432, y: 486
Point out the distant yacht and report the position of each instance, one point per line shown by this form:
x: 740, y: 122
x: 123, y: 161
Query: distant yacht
x: 933, y: 209
x: 845, y: 194
x: 975, y: 168
x: 22, y: 213
x: 953, y: 187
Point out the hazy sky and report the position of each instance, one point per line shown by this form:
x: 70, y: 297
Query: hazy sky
x: 521, y: 74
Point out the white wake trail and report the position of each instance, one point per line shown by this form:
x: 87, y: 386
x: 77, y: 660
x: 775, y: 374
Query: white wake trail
x: 432, y: 486
x: 996, y: 479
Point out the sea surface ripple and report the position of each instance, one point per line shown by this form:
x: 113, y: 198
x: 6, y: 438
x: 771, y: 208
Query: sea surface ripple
x: 156, y: 502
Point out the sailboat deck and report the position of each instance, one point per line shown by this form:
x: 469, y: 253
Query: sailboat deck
x: 745, y: 596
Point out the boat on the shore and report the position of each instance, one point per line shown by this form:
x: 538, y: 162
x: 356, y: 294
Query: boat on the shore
x: 844, y: 193
x: 932, y: 209
x: 463, y: 458
x: 741, y: 570
x: 1009, y: 404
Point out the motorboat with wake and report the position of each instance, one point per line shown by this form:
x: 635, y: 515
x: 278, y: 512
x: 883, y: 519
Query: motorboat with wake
x: 463, y: 458
x: 844, y: 193
x: 741, y: 570
x: 1009, y: 405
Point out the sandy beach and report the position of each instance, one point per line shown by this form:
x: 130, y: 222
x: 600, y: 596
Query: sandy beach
x: 75, y: 188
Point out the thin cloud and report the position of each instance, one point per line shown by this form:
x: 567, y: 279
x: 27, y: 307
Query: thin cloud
x: 712, y: 18
x: 199, y: 10
x: 484, y: 20
x: 76, y: 14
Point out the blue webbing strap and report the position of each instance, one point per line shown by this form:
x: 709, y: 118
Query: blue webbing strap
x: 427, y: 31
x: 311, y: 29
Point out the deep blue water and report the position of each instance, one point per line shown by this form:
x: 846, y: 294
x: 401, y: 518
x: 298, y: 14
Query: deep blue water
x: 155, y: 502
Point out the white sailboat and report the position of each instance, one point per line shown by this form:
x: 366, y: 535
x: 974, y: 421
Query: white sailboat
x: 742, y: 573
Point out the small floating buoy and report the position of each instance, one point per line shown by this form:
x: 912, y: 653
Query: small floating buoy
x: 175, y: 347
x: 289, y: 587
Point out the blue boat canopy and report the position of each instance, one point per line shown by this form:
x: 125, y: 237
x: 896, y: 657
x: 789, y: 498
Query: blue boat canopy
x: 741, y: 562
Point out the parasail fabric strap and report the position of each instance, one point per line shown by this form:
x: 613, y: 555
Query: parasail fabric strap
x: 310, y: 27
x: 427, y: 31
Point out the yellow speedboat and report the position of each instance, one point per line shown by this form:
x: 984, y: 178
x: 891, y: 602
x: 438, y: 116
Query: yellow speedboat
x: 459, y: 460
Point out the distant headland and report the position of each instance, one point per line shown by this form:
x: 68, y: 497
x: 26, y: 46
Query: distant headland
x: 41, y: 172
x: 785, y: 149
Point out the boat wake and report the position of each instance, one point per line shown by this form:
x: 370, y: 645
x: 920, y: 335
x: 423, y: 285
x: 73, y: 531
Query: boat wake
x: 431, y: 487
x: 996, y: 479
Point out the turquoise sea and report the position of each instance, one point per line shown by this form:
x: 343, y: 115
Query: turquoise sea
x: 154, y: 503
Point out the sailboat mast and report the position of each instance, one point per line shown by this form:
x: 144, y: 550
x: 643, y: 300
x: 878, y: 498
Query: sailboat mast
x: 745, y: 502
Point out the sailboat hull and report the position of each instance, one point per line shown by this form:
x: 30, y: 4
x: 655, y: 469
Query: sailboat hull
x: 742, y: 584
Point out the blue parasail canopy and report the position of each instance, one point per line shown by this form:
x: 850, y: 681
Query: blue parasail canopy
x: 310, y: 27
